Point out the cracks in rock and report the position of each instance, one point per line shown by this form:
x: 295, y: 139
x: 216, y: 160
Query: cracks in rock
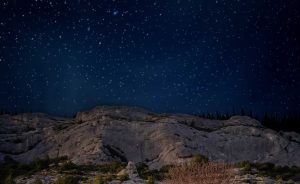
x: 190, y: 147
x: 15, y: 141
x: 186, y: 156
x: 196, y: 128
x: 61, y: 127
x: 289, y: 138
x: 152, y: 160
x: 285, y: 148
x: 29, y: 148
x: 115, y: 152
x: 34, y: 145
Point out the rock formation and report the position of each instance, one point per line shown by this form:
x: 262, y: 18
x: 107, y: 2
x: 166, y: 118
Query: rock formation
x: 109, y: 133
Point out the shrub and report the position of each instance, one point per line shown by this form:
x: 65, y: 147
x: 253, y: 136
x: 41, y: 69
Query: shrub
x: 11, y: 168
x: 279, y: 180
x: 103, y: 179
x: 150, y: 180
x: 199, y: 159
x: 99, y: 180
x: 68, y: 165
x: 9, y: 180
x: 247, y: 167
x: 144, y: 171
x: 206, y: 173
x: 66, y: 179
x: 165, y: 168
x: 42, y: 164
x: 271, y: 170
x: 123, y: 177
x: 113, y: 167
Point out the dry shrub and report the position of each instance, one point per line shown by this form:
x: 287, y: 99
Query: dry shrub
x: 209, y: 173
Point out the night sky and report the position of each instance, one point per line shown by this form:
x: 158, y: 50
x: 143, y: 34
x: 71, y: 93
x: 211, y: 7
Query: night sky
x: 187, y: 56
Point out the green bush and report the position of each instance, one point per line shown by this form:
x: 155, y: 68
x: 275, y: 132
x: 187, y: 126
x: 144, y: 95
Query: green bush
x: 42, y: 164
x: 199, y: 159
x: 99, y: 180
x: 272, y: 170
x: 11, y: 168
x: 150, y: 180
x: 247, y: 167
x: 66, y: 179
x: 144, y: 171
x: 103, y: 179
x: 9, y: 180
x: 112, y: 167
x: 68, y: 165
x: 123, y: 177
x: 279, y: 180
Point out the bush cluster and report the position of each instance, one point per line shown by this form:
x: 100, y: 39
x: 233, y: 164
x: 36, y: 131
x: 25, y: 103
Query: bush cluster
x: 207, y: 173
x: 145, y: 173
x: 123, y: 177
x: 10, y: 168
x: 112, y: 167
x: 199, y: 159
x: 274, y: 171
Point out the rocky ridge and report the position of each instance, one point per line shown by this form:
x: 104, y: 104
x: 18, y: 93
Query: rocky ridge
x: 134, y: 134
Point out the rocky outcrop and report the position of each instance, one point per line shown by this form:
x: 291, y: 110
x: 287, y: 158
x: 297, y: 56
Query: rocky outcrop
x: 133, y: 134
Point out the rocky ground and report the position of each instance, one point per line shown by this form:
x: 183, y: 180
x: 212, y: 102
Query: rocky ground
x: 49, y: 176
x: 109, y: 133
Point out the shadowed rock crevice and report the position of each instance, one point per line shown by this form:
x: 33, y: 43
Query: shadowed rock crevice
x: 115, y: 153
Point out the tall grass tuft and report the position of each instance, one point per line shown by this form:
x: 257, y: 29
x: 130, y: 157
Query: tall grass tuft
x: 201, y: 173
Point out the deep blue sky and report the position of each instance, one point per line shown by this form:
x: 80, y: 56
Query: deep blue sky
x: 190, y: 56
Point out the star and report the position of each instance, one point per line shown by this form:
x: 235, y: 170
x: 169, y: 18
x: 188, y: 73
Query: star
x: 115, y: 12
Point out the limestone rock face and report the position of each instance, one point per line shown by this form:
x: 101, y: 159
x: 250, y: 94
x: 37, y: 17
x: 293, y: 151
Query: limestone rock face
x: 109, y: 133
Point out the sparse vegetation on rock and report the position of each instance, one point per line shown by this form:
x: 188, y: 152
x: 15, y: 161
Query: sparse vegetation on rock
x: 11, y: 169
x: 146, y: 173
x: 271, y: 170
x: 123, y: 177
x: 9, y: 180
x: 207, y: 173
x: 150, y: 180
x: 102, y: 179
x: 199, y: 159
x: 66, y: 179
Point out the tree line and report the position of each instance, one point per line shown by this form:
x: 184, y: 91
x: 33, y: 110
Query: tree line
x: 275, y: 121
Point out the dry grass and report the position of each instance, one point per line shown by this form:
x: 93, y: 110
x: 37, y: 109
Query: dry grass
x: 210, y: 173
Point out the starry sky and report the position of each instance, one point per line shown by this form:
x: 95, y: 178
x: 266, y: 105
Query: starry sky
x: 187, y: 56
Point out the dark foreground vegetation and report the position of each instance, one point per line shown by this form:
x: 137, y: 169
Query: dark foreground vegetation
x: 69, y: 172
x: 10, y: 168
x: 279, y: 173
x: 198, y: 169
